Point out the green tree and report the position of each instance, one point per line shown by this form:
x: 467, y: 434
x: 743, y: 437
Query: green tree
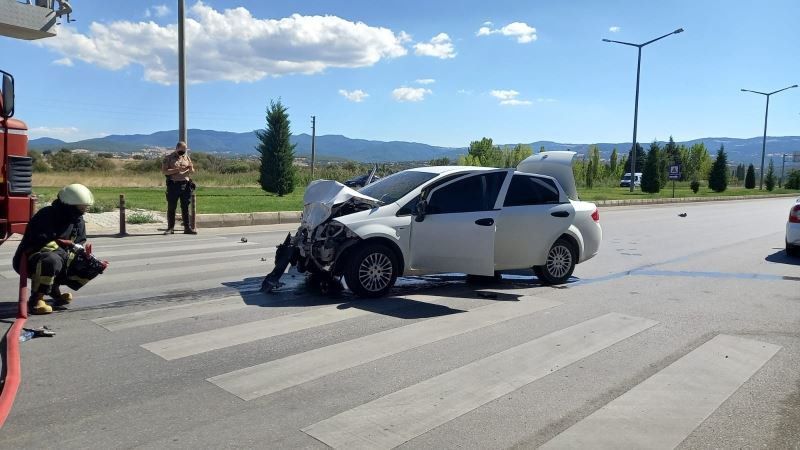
x: 718, y: 177
x: 792, y: 180
x: 277, y: 153
x: 698, y: 162
x: 590, y: 174
x: 444, y: 161
x: 740, y: 171
x: 750, y: 178
x: 650, y: 178
x: 641, y: 156
x: 613, y: 162
x: 596, y: 167
x: 769, y: 179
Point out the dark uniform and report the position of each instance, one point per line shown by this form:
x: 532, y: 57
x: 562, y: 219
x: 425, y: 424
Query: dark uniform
x: 179, y: 187
x: 48, y: 261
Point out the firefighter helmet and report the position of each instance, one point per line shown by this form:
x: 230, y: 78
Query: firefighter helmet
x: 76, y: 195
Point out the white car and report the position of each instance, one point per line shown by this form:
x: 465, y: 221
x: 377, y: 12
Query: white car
x: 472, y: 220
x: 793, y: 230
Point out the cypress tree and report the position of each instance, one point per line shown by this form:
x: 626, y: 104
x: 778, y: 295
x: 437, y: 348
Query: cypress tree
x: 718, y: 177
x: 650, y: 178
x: 277, y: 153
x: 769, y: 179
x: 750, y: 178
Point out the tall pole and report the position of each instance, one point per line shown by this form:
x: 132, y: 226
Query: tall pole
x: 764, y: 141
x: 763, y: 147
x: 181, y: 76
x: 635, y: 121
x: 783, y: 166
x: 313, y: 142
x: 636, y: 103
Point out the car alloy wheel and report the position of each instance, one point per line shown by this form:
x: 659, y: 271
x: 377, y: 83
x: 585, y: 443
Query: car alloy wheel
x: 560, y: 264
x: 371, y: 270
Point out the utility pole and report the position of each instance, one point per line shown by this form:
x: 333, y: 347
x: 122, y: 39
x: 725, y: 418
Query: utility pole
x: 313, y: 142
x: 783, y: 166
x: 182, y: 135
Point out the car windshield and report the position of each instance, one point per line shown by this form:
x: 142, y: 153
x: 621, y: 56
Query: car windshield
x: 394, y: 187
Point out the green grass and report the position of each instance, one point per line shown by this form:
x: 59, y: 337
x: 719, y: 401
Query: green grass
x: 681, y: 190
x: 210, y: 200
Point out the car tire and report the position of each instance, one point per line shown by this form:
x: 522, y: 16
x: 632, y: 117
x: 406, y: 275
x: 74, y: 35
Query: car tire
x: 371, y: 270
x: 792, y: 250
x: 561, y: 260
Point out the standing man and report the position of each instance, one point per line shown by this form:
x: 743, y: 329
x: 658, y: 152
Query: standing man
x: 177, y: 166
x: 54, y: 246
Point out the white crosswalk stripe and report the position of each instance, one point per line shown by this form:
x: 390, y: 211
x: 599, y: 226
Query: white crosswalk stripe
x: 170, y: 313
x: 663, y: 410
x: 396, y: 418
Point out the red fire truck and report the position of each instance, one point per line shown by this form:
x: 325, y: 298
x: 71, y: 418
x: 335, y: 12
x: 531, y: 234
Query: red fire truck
x: 29, y: 20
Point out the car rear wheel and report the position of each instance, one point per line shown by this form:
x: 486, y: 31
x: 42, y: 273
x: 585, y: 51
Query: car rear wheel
x: 560, y: 264
x: 792, y: 250
x: 371, y: 271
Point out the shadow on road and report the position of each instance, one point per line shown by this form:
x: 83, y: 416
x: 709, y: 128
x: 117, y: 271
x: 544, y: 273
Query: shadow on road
x: 781, y: 257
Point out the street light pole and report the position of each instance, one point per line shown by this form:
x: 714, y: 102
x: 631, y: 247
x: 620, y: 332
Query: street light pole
x: 636, y: 102
x: 764, y: 140
x: 182, y: 135
x: 313, y: 142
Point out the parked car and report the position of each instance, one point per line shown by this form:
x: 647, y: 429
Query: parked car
x: 793, y: 230
x: 626, y: 180
x: 471, y: 220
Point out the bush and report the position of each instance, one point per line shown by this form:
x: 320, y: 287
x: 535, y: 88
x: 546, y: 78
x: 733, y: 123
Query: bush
x: 793, y: 180
x: 140, y: 217
x: 695, y: 186
x: 100, y: 207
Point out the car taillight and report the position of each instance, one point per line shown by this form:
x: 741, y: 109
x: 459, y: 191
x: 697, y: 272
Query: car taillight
x: 596, y: 215
x: 794, y: 214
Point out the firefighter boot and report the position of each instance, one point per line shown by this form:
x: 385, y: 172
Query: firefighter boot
x: 37, y: 305
x: 60, y: 299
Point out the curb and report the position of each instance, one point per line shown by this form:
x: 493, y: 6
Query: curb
x: 246, y: 219
x: 660, y: 201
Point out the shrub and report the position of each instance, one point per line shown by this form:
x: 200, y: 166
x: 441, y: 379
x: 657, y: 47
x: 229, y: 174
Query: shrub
x: 695, y: 186
x: 793, y: 180
x: 140, y: 217
x: 100, y: 207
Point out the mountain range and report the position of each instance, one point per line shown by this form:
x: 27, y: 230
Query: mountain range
x: 337, y: 146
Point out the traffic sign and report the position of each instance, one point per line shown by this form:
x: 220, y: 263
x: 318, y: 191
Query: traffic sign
x: 675, y: 172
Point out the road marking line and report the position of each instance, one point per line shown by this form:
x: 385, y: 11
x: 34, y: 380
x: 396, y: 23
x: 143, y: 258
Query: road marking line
x: 193, y: 344
x: 263, y: 379
x: 403, y: 415
x: 170, y: 313
x: 664, y: 409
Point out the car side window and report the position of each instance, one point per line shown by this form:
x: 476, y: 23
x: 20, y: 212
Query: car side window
x: 528, y: 190
x: 475, y: 193
x: 411, y: 206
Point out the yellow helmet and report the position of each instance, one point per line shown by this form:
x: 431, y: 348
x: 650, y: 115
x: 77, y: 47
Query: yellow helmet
x: 76, y: 195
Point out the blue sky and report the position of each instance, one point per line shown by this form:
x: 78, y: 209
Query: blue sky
x: 438, y: 72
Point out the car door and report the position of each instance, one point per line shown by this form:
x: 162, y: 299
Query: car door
x: 534, y: 214
x: 457, y: 231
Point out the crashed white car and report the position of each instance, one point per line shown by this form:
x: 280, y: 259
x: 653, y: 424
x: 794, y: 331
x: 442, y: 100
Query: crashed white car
x: 471, y: 220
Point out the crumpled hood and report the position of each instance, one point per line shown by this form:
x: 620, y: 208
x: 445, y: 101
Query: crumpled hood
x: 322, y: 195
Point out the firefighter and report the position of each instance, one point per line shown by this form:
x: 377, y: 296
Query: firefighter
x: 53, y: 238
x: 176, y: 167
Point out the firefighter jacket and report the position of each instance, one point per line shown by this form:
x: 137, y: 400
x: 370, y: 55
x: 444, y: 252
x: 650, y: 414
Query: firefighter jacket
x: 57, y: 221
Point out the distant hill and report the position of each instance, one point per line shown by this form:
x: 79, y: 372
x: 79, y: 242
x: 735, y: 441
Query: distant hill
x: 337, y: 146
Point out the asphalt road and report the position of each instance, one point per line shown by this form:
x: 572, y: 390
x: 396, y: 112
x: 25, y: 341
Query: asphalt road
x: 683, y: 332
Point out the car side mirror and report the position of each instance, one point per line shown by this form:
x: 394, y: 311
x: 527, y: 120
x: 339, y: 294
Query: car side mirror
x: 419, y: 210
x: 8, y: 96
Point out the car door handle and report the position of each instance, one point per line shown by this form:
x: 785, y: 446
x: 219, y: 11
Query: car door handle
x: 560, y: 214
x: 485, y: 222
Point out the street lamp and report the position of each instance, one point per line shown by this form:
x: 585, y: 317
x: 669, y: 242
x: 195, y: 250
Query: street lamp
x: 764, y: 142
x: 182, y: 132
x: 636, y: 108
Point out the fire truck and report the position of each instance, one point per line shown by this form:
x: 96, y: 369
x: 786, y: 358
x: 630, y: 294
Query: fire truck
x: 20, y: 20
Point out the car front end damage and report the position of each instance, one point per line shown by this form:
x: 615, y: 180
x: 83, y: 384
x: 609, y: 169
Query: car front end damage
x: 320, y: 241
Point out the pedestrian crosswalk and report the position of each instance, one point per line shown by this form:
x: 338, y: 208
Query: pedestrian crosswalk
x: 659, y: 412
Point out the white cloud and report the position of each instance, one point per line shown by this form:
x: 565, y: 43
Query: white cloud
x: 614, y: 29
x: 231, y: 45
x: 488, y: 23
x: 64, y: 62
x: 464, y: 92
x: 520, y: 30
x: 157, y: 11
x: 409, y: 94
x: 357, y: 96
x: 440, y: 46
x: 68, y: 134
x: 509, y: 97
x: 545, y: 100
x: 426, y: 81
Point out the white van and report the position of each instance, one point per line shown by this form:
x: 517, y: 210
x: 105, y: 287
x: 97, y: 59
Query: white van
x: 626, y: 180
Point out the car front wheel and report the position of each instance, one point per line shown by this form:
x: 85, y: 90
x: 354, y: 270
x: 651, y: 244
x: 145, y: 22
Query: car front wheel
x: 371, y: 271
x: 561, y: 260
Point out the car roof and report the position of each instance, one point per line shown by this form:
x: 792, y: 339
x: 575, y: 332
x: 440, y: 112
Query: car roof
x: 447, y: 169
